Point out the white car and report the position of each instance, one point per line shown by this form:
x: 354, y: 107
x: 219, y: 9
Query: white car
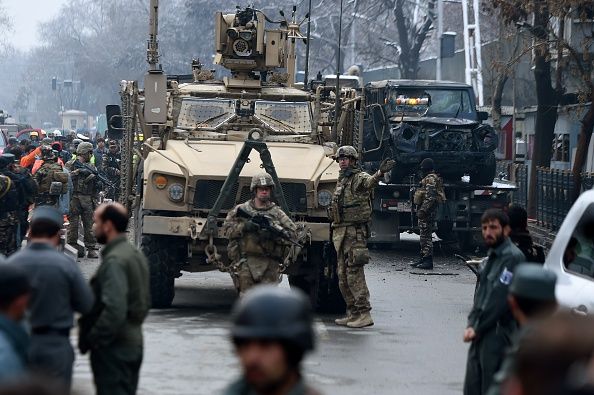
x: 572, y: 257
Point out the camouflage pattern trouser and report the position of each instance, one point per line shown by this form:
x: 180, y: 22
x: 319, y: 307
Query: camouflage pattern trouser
x: 82, y: 208
x: 256, y: 270
x: 426, y: 232
x: 350, y: 243
x: 8, y: 233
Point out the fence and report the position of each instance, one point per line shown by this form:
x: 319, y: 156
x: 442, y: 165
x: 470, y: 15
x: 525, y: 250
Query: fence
x: 554, y: 189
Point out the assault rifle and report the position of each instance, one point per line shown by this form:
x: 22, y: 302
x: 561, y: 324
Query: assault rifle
x: 78, y: 165
x: 265, y: 223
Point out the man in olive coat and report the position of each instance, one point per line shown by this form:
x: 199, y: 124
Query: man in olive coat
x: 113, y: 330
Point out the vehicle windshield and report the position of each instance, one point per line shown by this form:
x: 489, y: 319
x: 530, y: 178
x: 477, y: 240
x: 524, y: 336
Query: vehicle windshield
x: 205, y: 113
x: 285, y: 117
x: 280, y: 117
x: 431, y: 102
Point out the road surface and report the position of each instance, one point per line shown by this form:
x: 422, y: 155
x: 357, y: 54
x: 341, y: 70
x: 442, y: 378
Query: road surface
x: 415, y: 345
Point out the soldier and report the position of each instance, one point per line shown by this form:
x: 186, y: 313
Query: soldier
x: 10, y: 207
x: 59, y: 290
x: 490, y: 322
x: 272, y: 330
x: 82, y: 202
x: 257, y: 254
x: 520, y: 235
x: 350, y: 213
x: 51, y: 178
x: 111, y: 167
x: 531, y: 299
x: 429, y: 194
x: 112, y: 331
x: 8, y: 214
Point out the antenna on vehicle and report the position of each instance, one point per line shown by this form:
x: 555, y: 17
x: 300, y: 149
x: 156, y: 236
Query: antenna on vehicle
x: 337, y: 104
x: 308, y: 16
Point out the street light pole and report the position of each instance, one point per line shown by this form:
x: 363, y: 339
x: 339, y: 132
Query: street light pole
x: 337, y: 104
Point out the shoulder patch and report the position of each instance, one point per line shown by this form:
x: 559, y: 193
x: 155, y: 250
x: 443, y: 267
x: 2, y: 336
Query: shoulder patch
x: 506, y: 276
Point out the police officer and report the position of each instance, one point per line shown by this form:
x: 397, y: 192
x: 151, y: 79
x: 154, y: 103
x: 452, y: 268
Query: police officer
x: 272, y: 330
x: 429, y: 194
x: 51, y: 178
x: 82, y: 202
x: 350, y: 213
x: 9, y: 200
x: 111, y: 167
x: 490, y: 322
x: 531, y: 298
x: 256, y: 253
x: 59, y: 290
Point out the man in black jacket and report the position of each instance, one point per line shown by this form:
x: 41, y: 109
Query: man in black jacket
x: 490, y: 322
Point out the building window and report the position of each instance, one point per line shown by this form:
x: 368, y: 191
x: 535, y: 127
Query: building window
x: 561, y: 148
x: 73, y: 124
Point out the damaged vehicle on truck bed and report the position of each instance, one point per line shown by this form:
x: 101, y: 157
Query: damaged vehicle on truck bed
x: 206, y: 138
x: 410, y: 120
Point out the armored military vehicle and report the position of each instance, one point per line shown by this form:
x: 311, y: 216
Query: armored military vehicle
x: 206, y: 138
x: 410, y: 120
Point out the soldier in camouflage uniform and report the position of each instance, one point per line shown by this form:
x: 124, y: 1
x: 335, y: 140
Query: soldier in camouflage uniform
x: 8, y: 217
x: 51, y: 178
x: 256, y: 255
x: 82, y: 202
x: 429, y: 194
x: 350, y: 213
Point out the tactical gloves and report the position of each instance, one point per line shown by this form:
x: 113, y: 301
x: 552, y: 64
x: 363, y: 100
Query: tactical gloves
x: 386, y: 165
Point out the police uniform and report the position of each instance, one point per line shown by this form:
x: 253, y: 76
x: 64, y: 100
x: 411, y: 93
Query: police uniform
x: 491, y: 317
x: 531, y: 281
x: 427, y: 197
x: 59, y: 290
x: 256, y: 255
x: 350, y: 213
x: 82, y: 202
x: 51, y: 178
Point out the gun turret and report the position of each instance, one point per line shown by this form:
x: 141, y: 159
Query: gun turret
x: 248, y: 49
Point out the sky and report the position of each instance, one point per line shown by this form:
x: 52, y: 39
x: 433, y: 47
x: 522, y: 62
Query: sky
x: 25, y: 15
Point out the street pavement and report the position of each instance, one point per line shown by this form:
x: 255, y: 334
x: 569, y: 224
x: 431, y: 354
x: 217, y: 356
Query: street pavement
x: 415, y: 345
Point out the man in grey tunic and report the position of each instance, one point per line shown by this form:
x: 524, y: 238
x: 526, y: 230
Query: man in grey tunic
x: 58, y: 290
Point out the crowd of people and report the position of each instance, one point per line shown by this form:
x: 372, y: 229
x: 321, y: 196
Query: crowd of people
x: 55, y: 171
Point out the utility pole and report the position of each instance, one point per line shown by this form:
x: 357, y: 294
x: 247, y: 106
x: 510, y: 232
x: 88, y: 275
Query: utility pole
x: 472, y: 49
x: 439, y: 38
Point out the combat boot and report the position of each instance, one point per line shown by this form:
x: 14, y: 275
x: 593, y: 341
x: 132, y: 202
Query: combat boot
x: 80, y: 252
x: 426, y: 264
x: 417, y: 263
x: 92, y: 254
x: 343, y: 321
x: 361, y: 321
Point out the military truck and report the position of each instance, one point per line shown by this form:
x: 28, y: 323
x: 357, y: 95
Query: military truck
x: 206, y: 138
x: 410, y: 120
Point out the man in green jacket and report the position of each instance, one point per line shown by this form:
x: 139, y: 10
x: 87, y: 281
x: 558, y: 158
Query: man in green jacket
x: 490, y: 322
x: 113, y: 330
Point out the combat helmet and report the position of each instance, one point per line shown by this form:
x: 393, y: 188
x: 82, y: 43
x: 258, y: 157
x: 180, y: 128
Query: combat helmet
x: 347, y: 151
x: 427, y: 164
x: 261, y: 180
x: 273, y: 313
x: 47, y: 153
x: 84, y: 148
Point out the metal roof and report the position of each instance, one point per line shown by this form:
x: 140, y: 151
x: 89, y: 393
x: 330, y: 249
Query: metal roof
x: 417, y: 83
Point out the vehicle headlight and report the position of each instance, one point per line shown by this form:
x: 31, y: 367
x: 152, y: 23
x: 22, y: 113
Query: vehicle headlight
x: 324, y: 198
x: 176, y: 192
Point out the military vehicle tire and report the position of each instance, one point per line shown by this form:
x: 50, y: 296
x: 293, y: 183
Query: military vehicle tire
x: 323, y: 292
x: 160, y: 252
x: 485, y: 174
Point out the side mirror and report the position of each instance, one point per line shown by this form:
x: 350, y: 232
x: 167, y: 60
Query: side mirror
x: 115, y: 127
x: 482, y: 115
